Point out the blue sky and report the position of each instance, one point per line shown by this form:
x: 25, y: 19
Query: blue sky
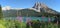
x: 54, y: 4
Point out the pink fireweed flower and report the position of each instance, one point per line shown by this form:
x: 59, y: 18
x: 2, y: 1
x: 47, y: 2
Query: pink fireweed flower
x: 57, y: 22
x: 49, y: 19
x: 20, y: 18
x: 43, y: 18
x: 28, y: 20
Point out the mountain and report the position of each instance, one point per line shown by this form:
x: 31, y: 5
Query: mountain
x: 23, y: 12
x: 37, y: 10
x: 43, y: 8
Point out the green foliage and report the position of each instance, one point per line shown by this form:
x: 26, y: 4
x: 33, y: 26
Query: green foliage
x: 0, y: 12
x: 17, y: 24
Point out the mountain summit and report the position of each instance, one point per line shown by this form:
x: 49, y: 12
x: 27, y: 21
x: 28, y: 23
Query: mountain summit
x: 43, y: 8
x: 39, y: 5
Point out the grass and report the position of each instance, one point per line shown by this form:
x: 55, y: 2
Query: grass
x: 18, y: 24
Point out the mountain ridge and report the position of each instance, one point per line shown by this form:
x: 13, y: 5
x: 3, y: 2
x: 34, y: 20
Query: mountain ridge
x: 36, y: 10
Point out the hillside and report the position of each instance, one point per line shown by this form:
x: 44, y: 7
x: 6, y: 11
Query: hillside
x: 37, y: 10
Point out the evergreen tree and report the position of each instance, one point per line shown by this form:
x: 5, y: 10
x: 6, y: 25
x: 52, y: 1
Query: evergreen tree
x: 0, y: 12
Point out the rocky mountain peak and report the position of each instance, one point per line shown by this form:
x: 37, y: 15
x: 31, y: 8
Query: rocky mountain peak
x: 39, y: 5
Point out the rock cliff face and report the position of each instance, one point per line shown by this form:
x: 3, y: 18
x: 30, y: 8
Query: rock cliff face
x: 43, y: 8
x: 39, y: 6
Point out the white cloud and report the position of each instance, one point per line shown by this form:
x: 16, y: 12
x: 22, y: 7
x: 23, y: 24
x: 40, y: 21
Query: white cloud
x: 6, y: 8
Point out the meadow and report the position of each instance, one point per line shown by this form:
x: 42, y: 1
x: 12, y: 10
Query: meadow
x: 9, y: 23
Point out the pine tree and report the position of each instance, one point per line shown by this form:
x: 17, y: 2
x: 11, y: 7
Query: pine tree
x: 0, y: 12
